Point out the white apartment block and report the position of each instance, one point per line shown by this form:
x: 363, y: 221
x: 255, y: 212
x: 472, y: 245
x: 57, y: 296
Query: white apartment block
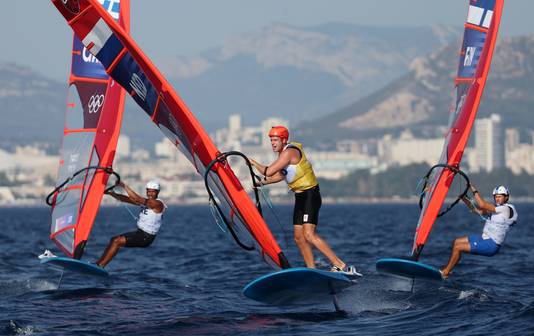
x: 408, y: 150
x: 123, y: 147
x: 335, y: 165
x: 521, y: 158
x: 489, y: 144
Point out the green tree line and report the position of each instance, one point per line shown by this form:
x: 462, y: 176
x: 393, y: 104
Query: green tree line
x: 404, y: 181
x: 4, y: 180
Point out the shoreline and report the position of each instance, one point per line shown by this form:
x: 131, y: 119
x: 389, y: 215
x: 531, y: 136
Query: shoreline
x: 326, y: 200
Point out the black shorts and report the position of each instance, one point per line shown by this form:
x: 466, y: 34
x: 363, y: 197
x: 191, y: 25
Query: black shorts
x: 307, y: 205
x: 138, y: 238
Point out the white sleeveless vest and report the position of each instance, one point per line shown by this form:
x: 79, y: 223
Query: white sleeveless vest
x: 149, y: 221
x: 497, y: 225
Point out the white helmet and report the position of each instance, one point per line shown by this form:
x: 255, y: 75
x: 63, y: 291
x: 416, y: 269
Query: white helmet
x: 153, y: 185
x: 501, y: 190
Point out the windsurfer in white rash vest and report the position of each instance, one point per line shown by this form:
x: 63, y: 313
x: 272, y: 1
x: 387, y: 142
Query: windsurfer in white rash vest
x: 148, y: 223
x: 500, y: 216
x: 297, y: 171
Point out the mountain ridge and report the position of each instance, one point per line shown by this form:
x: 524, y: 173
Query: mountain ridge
x: 36, y: 105
x: 417, y: 101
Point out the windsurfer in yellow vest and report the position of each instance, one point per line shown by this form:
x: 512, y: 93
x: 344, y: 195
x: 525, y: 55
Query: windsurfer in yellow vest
x: 148, y: 222
x: 297, y: 171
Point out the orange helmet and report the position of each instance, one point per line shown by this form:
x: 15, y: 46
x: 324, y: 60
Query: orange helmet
x: 279, y: 131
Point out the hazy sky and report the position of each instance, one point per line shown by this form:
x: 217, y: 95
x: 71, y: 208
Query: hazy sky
x: 33, y: 32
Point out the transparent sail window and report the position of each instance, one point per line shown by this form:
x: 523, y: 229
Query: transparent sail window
x: 65, y: 211
x: 75, y: 155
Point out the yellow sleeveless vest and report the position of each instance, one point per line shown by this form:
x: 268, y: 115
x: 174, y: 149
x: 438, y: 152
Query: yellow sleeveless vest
x: 300, y: 177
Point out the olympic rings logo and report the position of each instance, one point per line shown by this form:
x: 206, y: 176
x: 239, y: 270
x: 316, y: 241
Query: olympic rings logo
x: 95, y: 102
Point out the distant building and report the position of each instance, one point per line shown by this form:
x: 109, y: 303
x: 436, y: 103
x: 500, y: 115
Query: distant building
x: 470, y: 158
x: 519, y: 156
x: 335, y: 165
x: 140, y: 155
x: 520, y: 159
x: 365, y: 147
x: 511, y: 139
x: 6, y: 196
x: 166, y: 149
x: 233, y: 137
x: 25, y: 159
x: 123, y: 147
x: 237, y: 137
x: 489, y: 144
x: 408, y: 150
x: 234, y: 123
x: 29, y: 151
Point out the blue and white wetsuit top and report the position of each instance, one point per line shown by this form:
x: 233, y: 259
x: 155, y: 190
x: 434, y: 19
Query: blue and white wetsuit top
x: 150, y: 221
x: 498, y: 224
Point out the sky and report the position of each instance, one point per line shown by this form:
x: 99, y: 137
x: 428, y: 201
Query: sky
x: 34, y: 34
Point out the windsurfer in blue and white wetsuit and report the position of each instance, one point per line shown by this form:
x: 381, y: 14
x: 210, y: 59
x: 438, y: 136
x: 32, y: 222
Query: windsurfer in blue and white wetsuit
x: 148, y: 223
x: 500, y: 216
x: 293, y: 167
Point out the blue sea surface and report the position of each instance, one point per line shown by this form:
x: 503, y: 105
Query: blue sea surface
x: 189, y: 281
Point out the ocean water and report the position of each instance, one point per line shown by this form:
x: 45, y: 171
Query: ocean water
x: 189, y: 281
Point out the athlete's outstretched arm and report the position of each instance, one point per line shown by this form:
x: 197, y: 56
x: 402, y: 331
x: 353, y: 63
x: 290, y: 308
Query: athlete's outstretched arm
x: 122, y: 198
x: 481, y: 204
x: 137, y: 199
x: 134, y: 197
x: 471, y: 206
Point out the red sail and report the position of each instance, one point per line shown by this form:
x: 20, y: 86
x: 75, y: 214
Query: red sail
x: 125, y: 62
x: 480, y: 34
x: 92, y: 124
